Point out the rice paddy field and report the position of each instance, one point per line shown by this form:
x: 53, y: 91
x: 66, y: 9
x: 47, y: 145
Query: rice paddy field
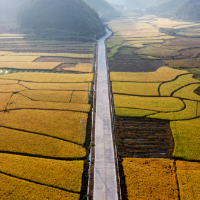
x: 155, y: 81
x: 45, y: 111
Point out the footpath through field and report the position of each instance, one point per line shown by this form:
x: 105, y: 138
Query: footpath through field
x: 105, y: 184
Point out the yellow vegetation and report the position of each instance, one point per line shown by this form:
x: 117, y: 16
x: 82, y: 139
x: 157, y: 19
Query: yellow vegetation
x: 61, y: 124
x: 2, y: 53
x: 81, y: 67
x: 21, y: 102
x: 29, y: 65
x: 188, y: 174
x: 4, y: 98
x: 7, y: 82
x: 188, y: 113
x: 14, y: 188
x: 18, y: 58
x: 188, y: 92
x: 150, y: 178
x: 49, y: 77
x: 79, y: 97
x: 62, y: 174
x: 148, y: 89
x: 187, y: 139
x: 34, y: 144
x: 11, y: 88
x: 166, y: 89
x: 164, y: 104
x: 162, y: 74
x: 48, y: 95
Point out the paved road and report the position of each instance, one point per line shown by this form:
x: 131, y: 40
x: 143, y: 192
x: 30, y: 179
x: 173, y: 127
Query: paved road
x: 105, y: 184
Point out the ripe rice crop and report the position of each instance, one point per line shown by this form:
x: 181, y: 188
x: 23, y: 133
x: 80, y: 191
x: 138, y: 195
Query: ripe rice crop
x: 33, y: 144
x: 56, y: 86
x: 18, y: 58
x: 7, y: 82
x: 2, y: 53
x: 168, y: 88
x: 21, y: 102
x: 161, y: 75
x: 48, y: 95
x: 163, y: 104
x: 62, y: 124
x: 11, y: 88
x: 14, y: 188
x: 29, y: 65
x: 62, y: 174
x: 127, y: 112
x: 188, y: 174
x: 79, y: 97
x: 188, y: 113
x: 147, y: 89
x: 81, y: 67
x: 187, y: 139
x: 4, y: 98
x: 148, y: 178
x: 184, y: 63
x: 49, y: 77
x: 188, y: 92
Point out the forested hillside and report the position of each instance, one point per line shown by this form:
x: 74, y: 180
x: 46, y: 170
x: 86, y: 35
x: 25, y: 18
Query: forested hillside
x: 63, y: 19
x: 189, y: 11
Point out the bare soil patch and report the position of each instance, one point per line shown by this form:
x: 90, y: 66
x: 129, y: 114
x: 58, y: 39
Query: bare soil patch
x: 197, y: 91
x: 144, y: 138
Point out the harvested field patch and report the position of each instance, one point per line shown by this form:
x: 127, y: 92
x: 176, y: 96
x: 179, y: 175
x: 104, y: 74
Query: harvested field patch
x: 147, y: 89
x: 49, y: 77
x: 21, y: 102
x: 62, y: 174
x: 28, y: 65
x: 61, y: 124
x: 79, y: 97
x: 187, y: 139
x: 57, y: 86
x: 150, y: 178
x: 188, y: 92
x: 14, y: 188
x: 11, y: 88
x: 168, y: 88
x: 162, y: 104
x: 184, y: 63
x: 81, y: 67
x: 184, y: 42
x: 188, y: 174
x: 38, y: 145
x: 161, y: 75
x: 47, y: 95
x: 189, y: 112
x: 141, y: 137
x: 4, y: 99
x: 17, y: 58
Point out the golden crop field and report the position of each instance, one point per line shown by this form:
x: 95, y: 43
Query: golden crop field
x: 4, y: 98
x: 11, y: 88
x: 21, y: 102
x: 49, y: 77
x: 161, y: 75
x: 14, y: 141
x: 132, y: 88
x: 18, y: 58
x: 29, y: 65
x: 14, y: 188
x: 168, y: 88
x: 79, y: 97
x: 187, y: 139
x: 162, y: 104
x: 7, y: 82
x: 81, y: 67
x: 2, y: 53
x: 188, y: 92
x: 150, y: 178
x: 61, y: 174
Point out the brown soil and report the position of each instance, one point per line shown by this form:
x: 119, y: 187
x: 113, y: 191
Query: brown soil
x: 197, y: 91
x: 144, y: 138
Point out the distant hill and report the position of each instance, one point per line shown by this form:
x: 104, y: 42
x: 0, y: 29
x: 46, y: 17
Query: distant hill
x: 165, y: 9
x: 105, y: 10
x: 189, y: 11
x: 63, y: 19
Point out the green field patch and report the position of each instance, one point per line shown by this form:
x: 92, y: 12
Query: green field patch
x: 127, y: 112
x: 187, y: 139
x: 147, y: 89
x: 161, y: 75
x: 168, y: 88
x: 189, y: 112
x: 162, y: 104
x: 188, y: 92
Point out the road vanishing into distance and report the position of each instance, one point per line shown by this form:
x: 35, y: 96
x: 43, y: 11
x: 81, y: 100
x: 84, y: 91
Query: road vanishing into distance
x: 105, y: 182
